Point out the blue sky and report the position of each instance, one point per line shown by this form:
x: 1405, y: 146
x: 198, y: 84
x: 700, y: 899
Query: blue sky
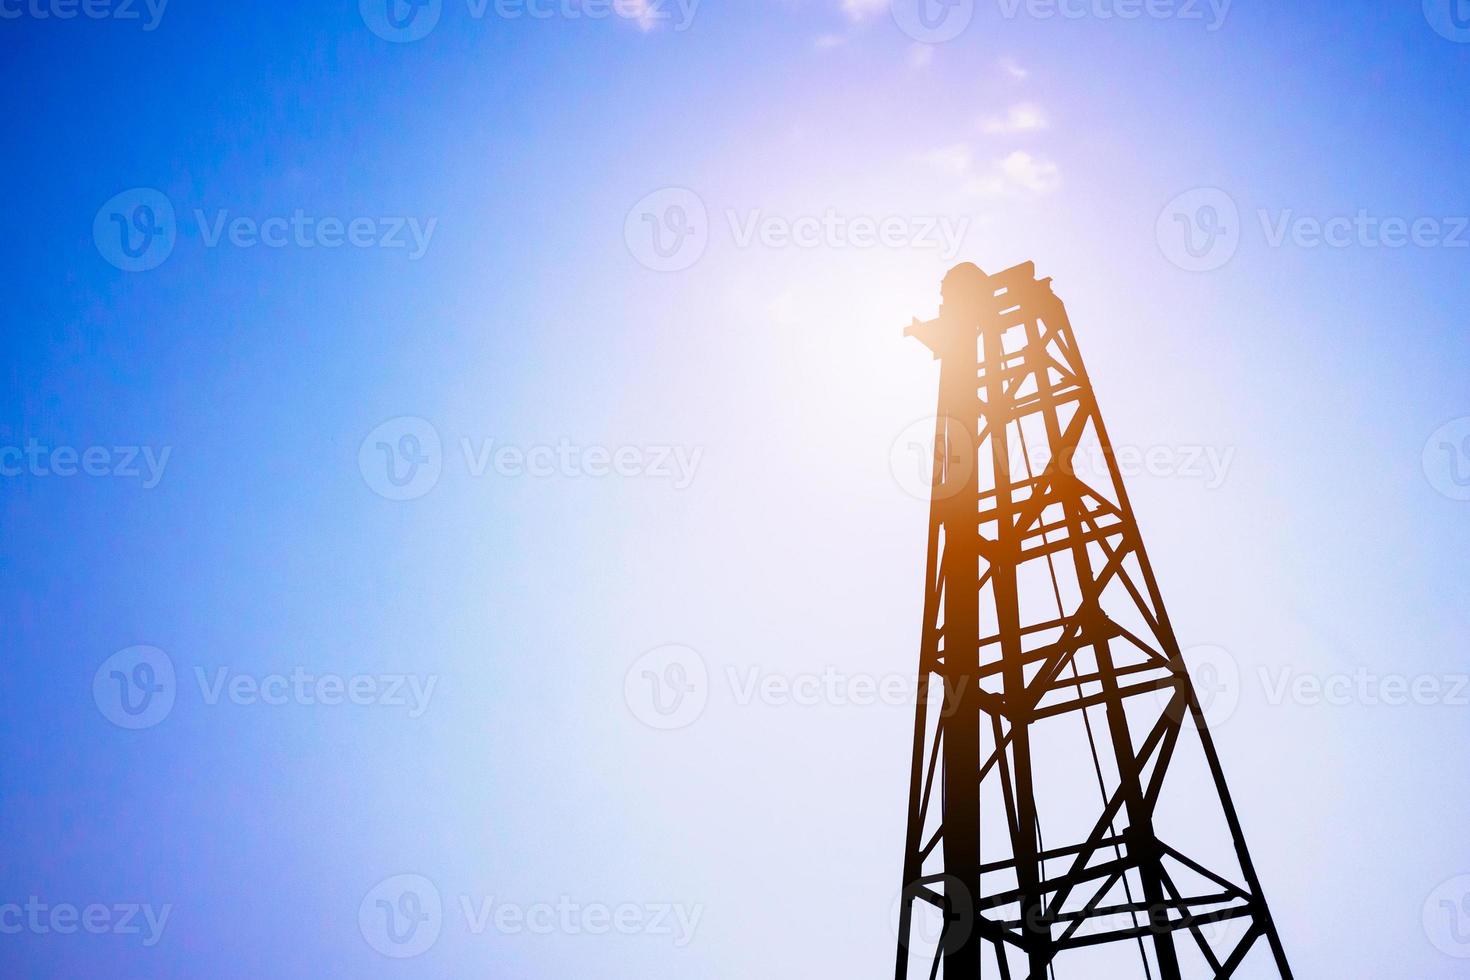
x: 240, y: 526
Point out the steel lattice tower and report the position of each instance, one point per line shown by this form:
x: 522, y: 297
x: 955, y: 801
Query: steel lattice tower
x: 1044, y: 839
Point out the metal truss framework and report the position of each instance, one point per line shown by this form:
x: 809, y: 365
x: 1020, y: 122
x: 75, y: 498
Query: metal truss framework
x: 1045, y: 638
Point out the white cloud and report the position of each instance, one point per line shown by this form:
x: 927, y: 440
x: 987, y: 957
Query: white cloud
x: 642, y: 12
x: 957, y: 160
x: 863, y: 9
x: 920, y: 55
x: 1014, y: 175
x: 1032, y: 173
x: 827, y: 42
x: 1013, y: 70
x: 1024, y: 118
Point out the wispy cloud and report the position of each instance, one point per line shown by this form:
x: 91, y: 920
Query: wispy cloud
x: 826, y: 42
x: 644, y: 13
x: 1012, y: 70
x: 1026, y: 117
x: 863, y: 9
x: 921, y: 55
x: 1022, y: 170
x: 956, y: 160
x: 1019, y: 173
